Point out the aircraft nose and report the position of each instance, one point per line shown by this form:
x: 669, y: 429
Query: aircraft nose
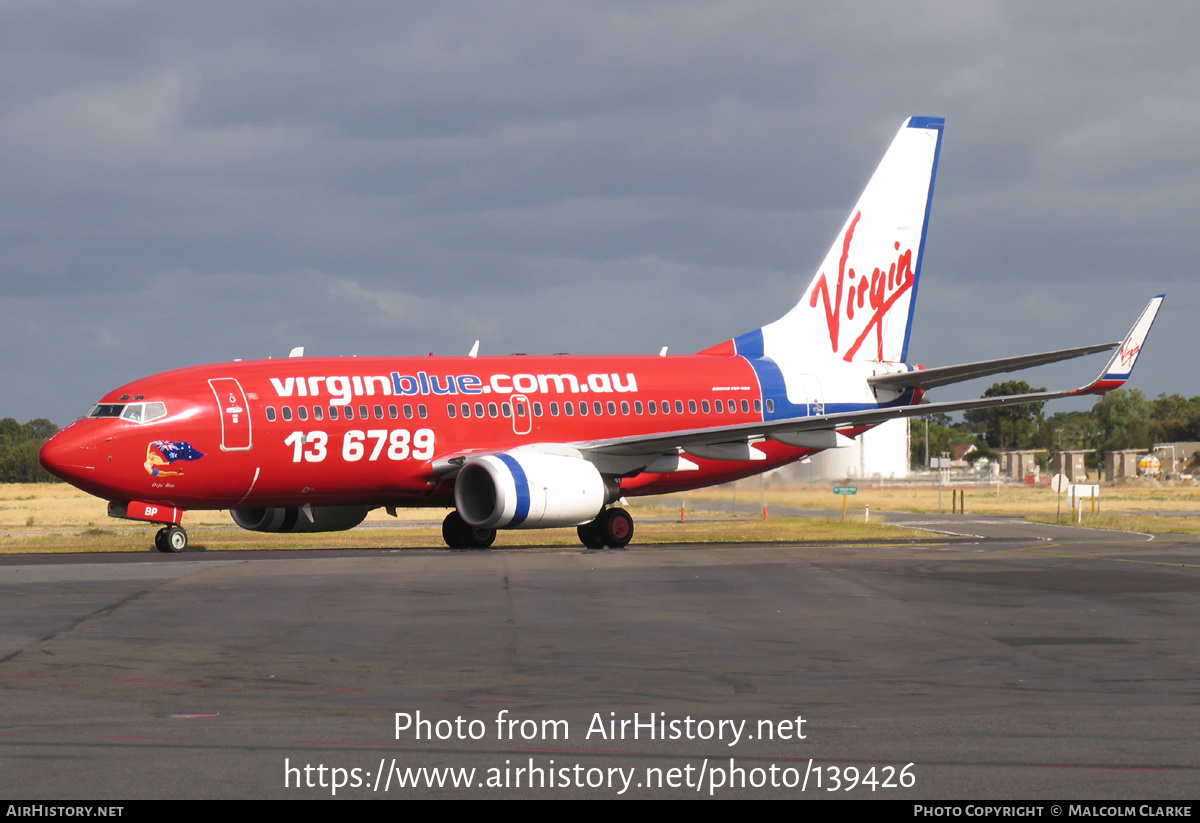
x: 70, y: 454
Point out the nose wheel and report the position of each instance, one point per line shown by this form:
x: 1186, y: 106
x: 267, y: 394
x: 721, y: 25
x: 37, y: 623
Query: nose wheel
x: 171, y: 539
x: 612, y: 528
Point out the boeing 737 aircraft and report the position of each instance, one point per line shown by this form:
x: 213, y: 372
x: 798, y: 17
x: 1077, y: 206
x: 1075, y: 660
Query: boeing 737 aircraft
x: 520, y: 442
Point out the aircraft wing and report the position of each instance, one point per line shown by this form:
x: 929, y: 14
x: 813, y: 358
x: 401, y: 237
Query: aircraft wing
x: 821, y: 431
x: 945, y: 375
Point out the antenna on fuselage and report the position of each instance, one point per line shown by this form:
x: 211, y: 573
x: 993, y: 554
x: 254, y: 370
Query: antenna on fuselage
x: 663, y: 353
x: 296, y: 352
x: 474, y: 352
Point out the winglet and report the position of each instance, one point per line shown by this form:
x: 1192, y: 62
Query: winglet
x: 1121, y: 365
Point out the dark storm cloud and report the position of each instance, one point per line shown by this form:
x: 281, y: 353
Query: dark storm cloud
x: 191, y: 182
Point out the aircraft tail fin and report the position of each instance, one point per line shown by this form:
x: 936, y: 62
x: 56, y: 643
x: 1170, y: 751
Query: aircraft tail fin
x: 859, y: 306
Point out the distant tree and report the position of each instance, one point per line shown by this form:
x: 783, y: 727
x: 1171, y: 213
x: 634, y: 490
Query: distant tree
x: 19, y: 445
x: 1123, y: 416
x: 1008, y: 427
x: 1174, y: 418
x: 944, y: 435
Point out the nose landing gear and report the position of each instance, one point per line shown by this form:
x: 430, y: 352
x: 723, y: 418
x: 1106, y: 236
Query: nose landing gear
x: 171, y: 539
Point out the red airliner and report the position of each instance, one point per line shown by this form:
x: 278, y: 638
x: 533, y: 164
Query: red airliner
x: 312, y: 444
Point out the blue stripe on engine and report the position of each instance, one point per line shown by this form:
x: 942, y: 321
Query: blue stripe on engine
x: 522, y: 484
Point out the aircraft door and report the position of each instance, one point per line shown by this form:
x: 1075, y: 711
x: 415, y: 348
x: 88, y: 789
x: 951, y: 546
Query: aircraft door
x: 813, y: 393
x: 236, y: 434
x: 521, y: 417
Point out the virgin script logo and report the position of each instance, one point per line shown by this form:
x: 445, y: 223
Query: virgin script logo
x: 871, y: 298
x: 1127, y: 354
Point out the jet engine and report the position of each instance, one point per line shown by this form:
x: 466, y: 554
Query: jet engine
x: 530, y: 490
x: 324, y: 519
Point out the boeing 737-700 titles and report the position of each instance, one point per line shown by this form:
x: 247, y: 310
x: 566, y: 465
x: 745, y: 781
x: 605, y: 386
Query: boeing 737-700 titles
x: 312, y: 444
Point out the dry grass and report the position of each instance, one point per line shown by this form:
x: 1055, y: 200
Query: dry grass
x: 1148, y: 523
x: 67, y: 520
x: 1020, y: 500
x: 54, y: 517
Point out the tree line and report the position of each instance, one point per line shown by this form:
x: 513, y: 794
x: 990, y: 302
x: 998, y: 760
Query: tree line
x: 19, y: 444
x: 1121, y: 419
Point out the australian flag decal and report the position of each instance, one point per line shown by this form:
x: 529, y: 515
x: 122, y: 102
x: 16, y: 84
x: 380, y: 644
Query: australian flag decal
x: 176, y: 451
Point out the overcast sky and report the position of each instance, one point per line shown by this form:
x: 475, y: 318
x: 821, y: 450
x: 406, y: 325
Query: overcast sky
x: 196, y: 182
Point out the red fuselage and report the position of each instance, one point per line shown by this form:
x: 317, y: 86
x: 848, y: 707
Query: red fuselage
x: 368, y: 431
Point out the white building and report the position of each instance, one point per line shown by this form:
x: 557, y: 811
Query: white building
x: 881, y: 452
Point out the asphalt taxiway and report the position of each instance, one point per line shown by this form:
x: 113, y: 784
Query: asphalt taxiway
x: 1001, y: 659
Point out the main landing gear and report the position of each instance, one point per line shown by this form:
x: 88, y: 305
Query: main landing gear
x: 459, y: 534
x: 612, y: 528
x: 171, y: 539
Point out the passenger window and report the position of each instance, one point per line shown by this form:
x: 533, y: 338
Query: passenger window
x: 408, y: 412
x: 679, y: 407
x: 393, y: 412
x: 757, y: 406
x: 506, y: 409
x: 745, y: 407
x: 597, y: 408
x: 625, y: 407
x: 348, y: 413
x: 287, y: 412
x: 492, y: 411
x: 451, y: 411
x: 720, y: 404
x: 302, y: 412
x: 422, y: 412
x: 770, y: 407
x: 692, y: 406
x: 704, y: 406
x: 666, y: 407
x: 569, y: 408
x: 362, y: 413
x: 479, y: 410
x: 537, y: 409
x: 583, y: 409
x: 318, y: 412
x: 653, y: 407
x: 553, y: 409
x: 378, y: 412
x: 612, y: 408
x: 333, y: 415
x: 271, y: 413
x: 466, y: 409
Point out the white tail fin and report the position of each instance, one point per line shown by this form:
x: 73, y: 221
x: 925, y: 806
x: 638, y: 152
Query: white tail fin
x: 859, y: 305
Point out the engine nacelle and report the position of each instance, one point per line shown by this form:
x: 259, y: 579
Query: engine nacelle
x: 325, y: 519
x: 529, y: 490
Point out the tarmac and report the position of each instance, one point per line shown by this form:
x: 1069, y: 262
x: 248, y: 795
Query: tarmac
x: 992, y: 659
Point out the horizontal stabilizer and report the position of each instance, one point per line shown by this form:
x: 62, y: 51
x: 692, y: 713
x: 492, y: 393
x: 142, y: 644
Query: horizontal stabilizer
x: 945, y: 375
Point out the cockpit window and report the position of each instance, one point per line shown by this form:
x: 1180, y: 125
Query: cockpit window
x: 133, y: 412
x: 107, y: 410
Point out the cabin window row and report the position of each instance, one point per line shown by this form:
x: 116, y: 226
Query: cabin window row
x: 569, y: 408
x: 347, y: 412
